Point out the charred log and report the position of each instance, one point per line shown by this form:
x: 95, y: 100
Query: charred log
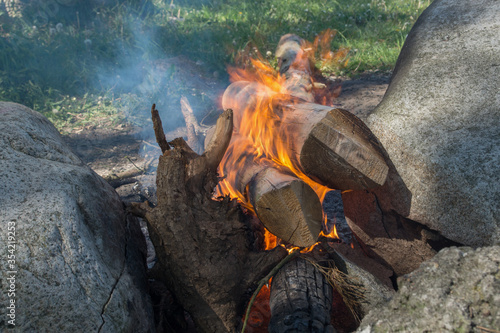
x: 301, y: 299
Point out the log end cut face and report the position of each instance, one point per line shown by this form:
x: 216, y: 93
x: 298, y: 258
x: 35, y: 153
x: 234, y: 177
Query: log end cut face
x: 342, y: 153
x: 291, y: 210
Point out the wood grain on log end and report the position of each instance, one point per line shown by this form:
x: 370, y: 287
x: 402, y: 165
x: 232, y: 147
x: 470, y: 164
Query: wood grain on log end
x: 351, y: 160
x: 288, y: 207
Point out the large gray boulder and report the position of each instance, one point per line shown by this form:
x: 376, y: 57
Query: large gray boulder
x: 76, y: 264
x: 456, y: 291
x: 440, y: 120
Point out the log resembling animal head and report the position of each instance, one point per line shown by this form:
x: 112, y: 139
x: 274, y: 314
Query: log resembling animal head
x: 290, y: 53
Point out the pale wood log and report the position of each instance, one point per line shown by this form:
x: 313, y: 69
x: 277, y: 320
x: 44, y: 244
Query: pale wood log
x: 334, y: 147
x: 330, y: 145
x: 192, y: 127
x: 296, y: 64
x: 288, y: 207
x: 219, y: 139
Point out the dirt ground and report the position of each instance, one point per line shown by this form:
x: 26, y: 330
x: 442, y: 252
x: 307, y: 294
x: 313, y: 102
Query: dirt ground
x: 111, y: 150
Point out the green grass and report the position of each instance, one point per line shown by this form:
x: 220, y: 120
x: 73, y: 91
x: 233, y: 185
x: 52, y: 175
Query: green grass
x: 216, y: 31
x: 63, y: 70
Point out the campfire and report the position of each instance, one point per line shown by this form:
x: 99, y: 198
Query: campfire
x: 287, y: 152
x: 278, y: 152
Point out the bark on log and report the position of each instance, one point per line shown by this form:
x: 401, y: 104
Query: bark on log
x: 204, y: 248
x: 300, y: 300
x: 330, y: 145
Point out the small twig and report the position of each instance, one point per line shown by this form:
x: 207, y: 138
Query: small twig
x: 140, y: 169
x: 150, y: 144
x: 264, y: 281
x: 160, y: 135
x: 487, y: 329
x: 127, y: 177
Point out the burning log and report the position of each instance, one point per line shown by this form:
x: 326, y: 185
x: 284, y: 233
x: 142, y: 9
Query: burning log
x: 330, y: 145
x: 300, y: 300
x: 288, y: 207
x: 334, y: 147
x: 205, y: 250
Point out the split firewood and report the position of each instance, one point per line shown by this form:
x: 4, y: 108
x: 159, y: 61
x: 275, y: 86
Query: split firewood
x: 330, y: 145
x: 357, y: 161
x: 204, y: 247
x: 334, y: 147
x: 286, y: 205
x: 194, y: 130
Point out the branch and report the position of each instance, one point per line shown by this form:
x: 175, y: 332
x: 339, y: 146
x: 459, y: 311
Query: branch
x: 160, y: 135
x: 263, y: 281
x: 220, y: 139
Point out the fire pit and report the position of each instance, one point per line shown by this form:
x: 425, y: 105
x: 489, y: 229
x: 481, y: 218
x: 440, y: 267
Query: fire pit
x: 278, y: 153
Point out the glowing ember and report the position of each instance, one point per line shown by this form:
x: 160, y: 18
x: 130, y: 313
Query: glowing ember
x: 259, y: 137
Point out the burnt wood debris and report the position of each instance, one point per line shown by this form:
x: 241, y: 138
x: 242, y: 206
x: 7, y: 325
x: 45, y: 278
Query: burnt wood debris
x: 210, y: 254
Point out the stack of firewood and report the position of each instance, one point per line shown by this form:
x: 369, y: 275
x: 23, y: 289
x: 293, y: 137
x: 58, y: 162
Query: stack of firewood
x: 331, y: 146
x: 208, y: 252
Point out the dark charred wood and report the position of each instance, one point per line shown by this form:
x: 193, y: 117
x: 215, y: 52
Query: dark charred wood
x: 169, y: 315
x: 300, y: 300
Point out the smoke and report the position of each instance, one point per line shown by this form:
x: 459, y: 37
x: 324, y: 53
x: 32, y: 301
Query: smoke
x: 124, y: 53
x: 144, y: 73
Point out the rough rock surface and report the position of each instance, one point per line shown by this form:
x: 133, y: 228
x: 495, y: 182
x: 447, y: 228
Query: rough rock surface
x: 456, y: 291
x: 77, y: 263
x: 439, y: 120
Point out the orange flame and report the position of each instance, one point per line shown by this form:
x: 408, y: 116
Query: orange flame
x: 326, y: 56
x: 260, y: 139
